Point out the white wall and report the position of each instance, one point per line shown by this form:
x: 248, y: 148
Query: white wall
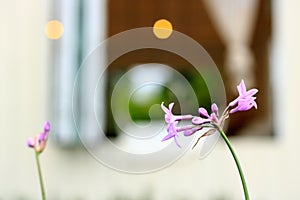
x: 271, y: 164
x: 23, y: 80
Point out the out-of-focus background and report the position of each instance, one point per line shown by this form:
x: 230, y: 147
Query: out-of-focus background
x: 254, y: 40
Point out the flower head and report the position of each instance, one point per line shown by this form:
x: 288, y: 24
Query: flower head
x: 39, y: 141
x: 214, y: 121
x: 245, y: 100
x: 172, y: 121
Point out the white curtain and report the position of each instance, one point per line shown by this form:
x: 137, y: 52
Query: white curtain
x: 235, y: 20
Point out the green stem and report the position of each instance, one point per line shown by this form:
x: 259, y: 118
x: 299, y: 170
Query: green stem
x: 236, y: 162
x: 40, y: 175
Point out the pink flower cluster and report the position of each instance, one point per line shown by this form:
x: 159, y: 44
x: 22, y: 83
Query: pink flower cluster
x: 39, y: 141
x: 245, y: 101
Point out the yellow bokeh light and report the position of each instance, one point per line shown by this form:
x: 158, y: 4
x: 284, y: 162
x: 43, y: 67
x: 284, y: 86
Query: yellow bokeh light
x: 54, y: 29
x: 162, y: 29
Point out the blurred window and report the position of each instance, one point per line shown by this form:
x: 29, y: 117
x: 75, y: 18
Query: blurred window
x: 84, y: 28
x: 193, y: 18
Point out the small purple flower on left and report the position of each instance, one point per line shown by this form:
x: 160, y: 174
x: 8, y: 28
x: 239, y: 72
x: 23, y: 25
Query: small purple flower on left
x: 39, y: 141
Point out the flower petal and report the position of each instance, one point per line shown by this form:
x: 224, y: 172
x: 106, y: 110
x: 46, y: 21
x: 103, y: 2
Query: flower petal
x: 47, y: 126
x: 192, y: 131
x: 241, y: 87
x: 251, y: 92
x: 199, y: 120
x: 215, y: 109
x: 30, y: 142
x: 234, y: 110
x: 234, y: 102
x: 203, y: 112
x: 245, y: 104
x: 167, y: 137
x: 171, y: 106
x: 214, y: 117
x: 183, y: 117
x: 164, y: 108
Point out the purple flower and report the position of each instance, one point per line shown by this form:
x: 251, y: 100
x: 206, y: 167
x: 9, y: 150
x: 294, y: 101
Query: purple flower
x: 205, y: 117
x: 172, y: 121
x: 38, y: 142
x: 245, y: 100
x: 214, y: 121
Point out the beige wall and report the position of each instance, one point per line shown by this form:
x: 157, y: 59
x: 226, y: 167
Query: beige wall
x: 271, y: 164
x: 23, y: 80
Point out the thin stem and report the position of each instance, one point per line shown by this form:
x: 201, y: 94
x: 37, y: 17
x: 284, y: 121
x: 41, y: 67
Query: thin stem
x: 40, y: 175
x: 226, y: 109
x: 236, y: 161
